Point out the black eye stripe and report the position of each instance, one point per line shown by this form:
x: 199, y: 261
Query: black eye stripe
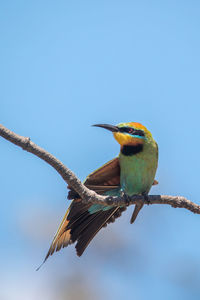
x: 131, y: 131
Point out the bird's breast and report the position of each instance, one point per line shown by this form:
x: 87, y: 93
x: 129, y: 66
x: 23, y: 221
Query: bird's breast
x: 137, y: 172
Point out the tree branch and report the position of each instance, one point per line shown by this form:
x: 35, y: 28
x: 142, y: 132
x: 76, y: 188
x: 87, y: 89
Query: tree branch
x: 88, y: 195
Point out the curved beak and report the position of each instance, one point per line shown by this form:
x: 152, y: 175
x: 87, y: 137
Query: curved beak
x: 108, y: 127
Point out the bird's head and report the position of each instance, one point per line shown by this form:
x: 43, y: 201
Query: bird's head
x: 129, y: 134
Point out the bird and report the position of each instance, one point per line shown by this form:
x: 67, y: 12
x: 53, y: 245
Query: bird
x: 131, y: 173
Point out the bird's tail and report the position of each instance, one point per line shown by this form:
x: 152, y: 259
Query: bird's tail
x: 81, y: 223
x: 61, y: 238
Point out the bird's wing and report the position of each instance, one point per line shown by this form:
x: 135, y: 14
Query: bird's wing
x: 104, y: 179
x: 82, y: 221
x: 108, y: 175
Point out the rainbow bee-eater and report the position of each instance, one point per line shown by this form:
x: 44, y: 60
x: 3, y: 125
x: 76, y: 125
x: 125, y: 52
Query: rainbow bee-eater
x: 132, y: 172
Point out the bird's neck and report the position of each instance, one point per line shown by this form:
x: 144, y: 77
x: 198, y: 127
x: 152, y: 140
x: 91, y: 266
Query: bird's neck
x: 139, y: 149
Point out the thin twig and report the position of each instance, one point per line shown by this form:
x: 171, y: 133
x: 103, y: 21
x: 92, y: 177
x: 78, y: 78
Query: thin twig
x: 86, y: 194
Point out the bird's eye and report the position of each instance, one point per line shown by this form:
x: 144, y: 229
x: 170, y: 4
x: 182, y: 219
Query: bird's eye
x: 127, y: 130
x: 130, y: 130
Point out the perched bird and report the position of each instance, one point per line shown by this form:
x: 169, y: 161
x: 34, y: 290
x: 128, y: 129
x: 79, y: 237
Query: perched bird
x: 132, y: 172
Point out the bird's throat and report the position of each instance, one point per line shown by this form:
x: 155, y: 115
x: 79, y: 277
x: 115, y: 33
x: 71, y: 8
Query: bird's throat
x: 129, y: 150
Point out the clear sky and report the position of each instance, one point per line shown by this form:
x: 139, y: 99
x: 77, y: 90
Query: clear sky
x: 64, y: 66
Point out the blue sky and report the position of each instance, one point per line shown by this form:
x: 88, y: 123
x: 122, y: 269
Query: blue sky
x: 66, y: 65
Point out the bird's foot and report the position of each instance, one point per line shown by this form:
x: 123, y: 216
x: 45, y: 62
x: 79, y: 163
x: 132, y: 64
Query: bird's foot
x: 126, y: 197
x: 146, y: 198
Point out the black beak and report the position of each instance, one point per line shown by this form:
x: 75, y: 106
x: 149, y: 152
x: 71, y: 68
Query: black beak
x: 108, y: 127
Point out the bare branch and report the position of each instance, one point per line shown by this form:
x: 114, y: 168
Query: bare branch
x: 88, y: 195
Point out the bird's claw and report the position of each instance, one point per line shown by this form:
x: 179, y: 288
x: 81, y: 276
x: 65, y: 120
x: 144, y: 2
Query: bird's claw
x: 146, y: 198
x: 126, y: 197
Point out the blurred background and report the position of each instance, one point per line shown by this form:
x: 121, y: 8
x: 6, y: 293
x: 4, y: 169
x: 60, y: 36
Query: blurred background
x: 66, y: 65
